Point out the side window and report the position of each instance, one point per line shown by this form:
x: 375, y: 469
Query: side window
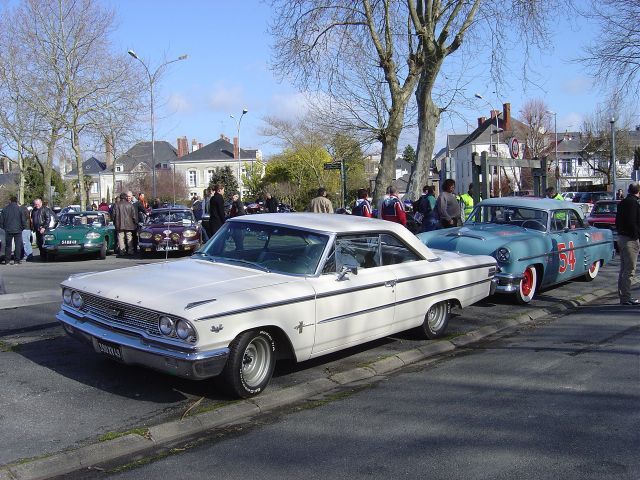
x: 558, y: 220
x: 575, y: 221
x: 394, y: 251
x: 361, y: 251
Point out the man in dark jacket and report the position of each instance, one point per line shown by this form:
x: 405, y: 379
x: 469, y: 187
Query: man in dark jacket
x: 628, y: 227
x: 125, y: 220
x: 40, y: 219
x: 13, y: 221
x: 270, y: 203
x: 216, y: 209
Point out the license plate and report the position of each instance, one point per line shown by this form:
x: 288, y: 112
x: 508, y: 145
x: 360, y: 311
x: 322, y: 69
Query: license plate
x: 68, y: 242
x: 110, y: 349
x: 162, y: 248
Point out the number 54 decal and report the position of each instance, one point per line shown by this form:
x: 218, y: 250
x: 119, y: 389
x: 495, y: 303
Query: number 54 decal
x: 566, y: 258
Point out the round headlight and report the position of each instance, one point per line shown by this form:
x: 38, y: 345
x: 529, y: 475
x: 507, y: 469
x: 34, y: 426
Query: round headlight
x: 157, y: 237
x: 49, y: 237
x: 66, y: 296
x: 503, y: 254
x: 76, y: 300
x: 145, y: 235
x: 189, y: 233
x: 166, y: 325
x: 184, y: 330
x: 175, y: 237
x: 92, y: 235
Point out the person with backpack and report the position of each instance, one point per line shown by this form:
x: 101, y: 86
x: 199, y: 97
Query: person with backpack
x: 425, y: 210
x: 362, y: 207
x: 392, y: 209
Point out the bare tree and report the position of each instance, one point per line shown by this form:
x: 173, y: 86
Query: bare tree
x: 614, y: 57
x: 332, y: 45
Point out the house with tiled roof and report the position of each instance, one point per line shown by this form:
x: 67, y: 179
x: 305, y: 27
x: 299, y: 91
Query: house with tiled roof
x: 199, y: 165
x: 95, y: 169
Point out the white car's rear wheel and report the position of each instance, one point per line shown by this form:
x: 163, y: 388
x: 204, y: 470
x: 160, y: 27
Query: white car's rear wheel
x: 250, y: 364
x: 528, y: 284
x: 436, y: 320
x: 592, y: 272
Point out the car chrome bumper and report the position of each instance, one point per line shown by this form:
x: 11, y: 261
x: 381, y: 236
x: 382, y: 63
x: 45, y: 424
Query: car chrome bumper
x: 507, y: 282
x: 134, y: 350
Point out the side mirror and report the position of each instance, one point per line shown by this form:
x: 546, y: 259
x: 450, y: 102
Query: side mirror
x: 342, y: 274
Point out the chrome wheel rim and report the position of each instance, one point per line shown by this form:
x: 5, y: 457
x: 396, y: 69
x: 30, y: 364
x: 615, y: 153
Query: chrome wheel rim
x: 436, y: 316
x: 256, y: 361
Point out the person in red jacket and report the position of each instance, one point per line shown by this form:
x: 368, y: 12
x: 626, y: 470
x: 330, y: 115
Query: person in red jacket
x: 392, y: 208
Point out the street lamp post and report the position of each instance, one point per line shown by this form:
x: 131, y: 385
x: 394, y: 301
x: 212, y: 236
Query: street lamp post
x: 555, y: 129
x: 152, y: 79
x: 244, y: 112
x: 613, y: 156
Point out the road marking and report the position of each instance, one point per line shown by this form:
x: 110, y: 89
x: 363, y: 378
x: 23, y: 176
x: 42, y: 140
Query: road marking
x: 38, y: 297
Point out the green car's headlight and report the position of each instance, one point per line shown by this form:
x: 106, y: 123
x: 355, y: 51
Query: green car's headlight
x: 49, y: 237
x: 145, y: 235
x: 92, y: 235
x: 503, y: 254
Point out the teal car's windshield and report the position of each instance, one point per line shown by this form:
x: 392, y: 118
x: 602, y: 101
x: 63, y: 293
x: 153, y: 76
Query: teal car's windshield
x: 509, y: 215
x: 75, y: 219
x: 266, y: 247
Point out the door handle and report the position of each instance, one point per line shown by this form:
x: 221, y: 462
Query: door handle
x: 586, y: 235
x: 390, y: 283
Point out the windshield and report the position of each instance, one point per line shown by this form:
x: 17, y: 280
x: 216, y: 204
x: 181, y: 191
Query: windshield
x: 267, y: 247
x: 610, y: 208
x: 173, y: 217
x: 73, y: 219
x: 509, y: 215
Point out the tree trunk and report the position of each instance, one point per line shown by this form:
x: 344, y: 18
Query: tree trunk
x: 20, y: 176
x: 428, y: 120
x: 48, y: 166
x: 386, y: 171
x: 75, y: 143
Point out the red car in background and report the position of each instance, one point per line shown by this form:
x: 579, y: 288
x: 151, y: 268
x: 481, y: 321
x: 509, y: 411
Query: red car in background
x: 603, y: 215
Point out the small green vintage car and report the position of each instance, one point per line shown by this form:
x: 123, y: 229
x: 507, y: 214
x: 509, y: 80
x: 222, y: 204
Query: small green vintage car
x: 80, y: 233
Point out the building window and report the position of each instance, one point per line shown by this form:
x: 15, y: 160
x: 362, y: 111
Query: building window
x: 192, y: 178
x: 118, y: 185
x: 94, y: 187
x: 209, y: 176
x: 119, y: 168
x: 566, y: 167
x: 579, y: 162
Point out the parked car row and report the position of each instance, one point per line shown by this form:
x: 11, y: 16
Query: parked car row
x: 303, y: 285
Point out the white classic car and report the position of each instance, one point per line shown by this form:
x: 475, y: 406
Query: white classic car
x: 292, y: 285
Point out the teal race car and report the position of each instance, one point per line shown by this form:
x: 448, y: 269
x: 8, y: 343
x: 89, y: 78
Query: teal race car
x: 80, y: 233
x: 537, y: 242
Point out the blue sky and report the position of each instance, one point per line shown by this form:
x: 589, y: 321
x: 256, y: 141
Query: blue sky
x: 227, y: 70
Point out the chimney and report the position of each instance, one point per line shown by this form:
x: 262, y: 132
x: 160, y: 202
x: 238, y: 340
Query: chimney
x: 506, y: 116
x: 481, y: 120
x: 224, y: 137
x: 183, y: 146
x: 494, y: 113
x: 108, y: 151
x: 236, y: 152
x: 194, y: 145
x: 200, y: 145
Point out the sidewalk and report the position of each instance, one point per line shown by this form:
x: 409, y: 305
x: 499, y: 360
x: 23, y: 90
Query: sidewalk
x: 191, y: 426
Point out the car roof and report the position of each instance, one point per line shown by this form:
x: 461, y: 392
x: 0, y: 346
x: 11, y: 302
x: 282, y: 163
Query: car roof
x: 333, y: 223
x: 170, y: 209
x: 530, y: 202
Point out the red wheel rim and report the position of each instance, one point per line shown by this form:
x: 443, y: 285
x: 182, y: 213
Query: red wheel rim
x: 593, y: 267
x: 527, y: 282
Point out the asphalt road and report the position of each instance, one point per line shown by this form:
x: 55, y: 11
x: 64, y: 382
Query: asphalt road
x: 560, y: 399
x: 58, y: 394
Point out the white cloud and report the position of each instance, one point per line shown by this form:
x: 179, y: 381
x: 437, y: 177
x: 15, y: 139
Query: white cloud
x: 578, y: 85
x: 288, y: 105
x: 178, y: 103
x: 225, y: 99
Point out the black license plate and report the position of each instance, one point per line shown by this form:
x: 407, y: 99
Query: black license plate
x: 68, y: 242
x: 110, y: 349
x: 162, y: 248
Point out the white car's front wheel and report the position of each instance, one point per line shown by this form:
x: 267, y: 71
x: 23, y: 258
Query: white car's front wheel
x: 250, y: 364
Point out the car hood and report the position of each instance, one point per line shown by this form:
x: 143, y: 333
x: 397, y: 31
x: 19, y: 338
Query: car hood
x: 76, y: 230
x: 476, y: 239
x: 172, y: 286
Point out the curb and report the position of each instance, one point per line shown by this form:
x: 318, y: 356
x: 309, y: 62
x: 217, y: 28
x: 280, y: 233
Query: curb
x: 170, y: 432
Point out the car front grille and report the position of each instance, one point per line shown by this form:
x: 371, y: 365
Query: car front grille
x: 122, y: 314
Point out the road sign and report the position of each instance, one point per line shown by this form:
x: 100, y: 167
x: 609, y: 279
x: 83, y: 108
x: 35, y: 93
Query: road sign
x: 332, y: 166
